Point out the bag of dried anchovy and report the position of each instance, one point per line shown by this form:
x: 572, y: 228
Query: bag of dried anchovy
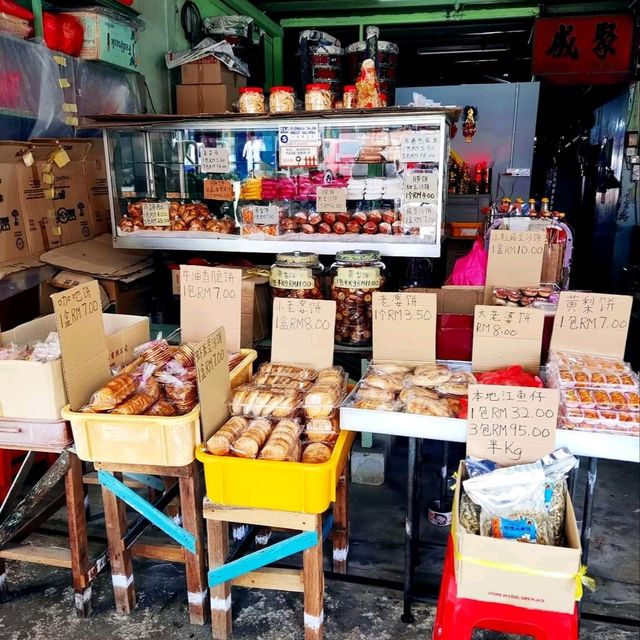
x: 556, y: 467
x: 512, y: 502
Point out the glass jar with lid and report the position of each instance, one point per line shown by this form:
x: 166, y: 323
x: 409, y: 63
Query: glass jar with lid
x: 282, y: 100
x: 349, y: 97
x: 297, y: 275
x: 318, y: 97
x: 251, y: 100
x: 355, y: 275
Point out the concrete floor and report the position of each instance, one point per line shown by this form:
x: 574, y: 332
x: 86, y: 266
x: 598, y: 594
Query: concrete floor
x: 38, y: 603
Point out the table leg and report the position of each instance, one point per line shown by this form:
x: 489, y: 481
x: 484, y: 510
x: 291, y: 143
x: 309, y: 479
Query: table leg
x: 191, y: 507
x: 587, y: 512
x: 218, y: 543
x: 340, y: 536
x: 115, y: 517
x: 313, y: 573
x: 410, y: 519
x: 78, y: 541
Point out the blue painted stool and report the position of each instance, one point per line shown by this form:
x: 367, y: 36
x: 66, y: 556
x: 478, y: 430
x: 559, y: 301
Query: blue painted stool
x: 117, y: 496
x: 251, y: 571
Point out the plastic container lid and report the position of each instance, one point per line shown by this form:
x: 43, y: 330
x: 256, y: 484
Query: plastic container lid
x: 320, y: 86
x: 251, y: 90
x: 358, y: 255
x: 297, y: 259
x: 282, y: 88
x: 349, y: 88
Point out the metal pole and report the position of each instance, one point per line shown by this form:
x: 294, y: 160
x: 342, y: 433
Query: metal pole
x: 587, y: 512
x: 443, y: 473
x: 572, y: 483
x: 409, y: 567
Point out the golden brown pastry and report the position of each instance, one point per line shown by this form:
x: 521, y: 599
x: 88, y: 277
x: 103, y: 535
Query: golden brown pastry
x: 322, y: 429
x: 219, y: 444
x: 373, y: 393
x: 463, y: 376
x: 321, y: 401
x: 387, y: 381
x: 316, y: 453
x: 430, y: 375
x: 117, y: 390
x: 251, y: 441
x: 453, y: 388
x: 429, y: 407
x: 281, y: 440
x: 299, y: 373
x: 375, y: 405
x: 417, y: 392
x: 161, y: 408
x: 136, y: 405
x: 390, y: 367
x: 333, y: 376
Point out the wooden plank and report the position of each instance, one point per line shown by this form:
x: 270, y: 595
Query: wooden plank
x: 190, y: 506
x: 340, y: 536
x: 145, y: 469
x: 272, y: 578
x: 78, y: 540
x: 92, y: 479
x: 261, y: 517
x: 218, y: 543
x: 51, y: 556
x: 168, y: 552
x: 314, y: 588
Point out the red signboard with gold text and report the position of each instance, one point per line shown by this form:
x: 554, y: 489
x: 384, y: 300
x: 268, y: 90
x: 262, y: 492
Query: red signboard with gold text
x: 583, y: 49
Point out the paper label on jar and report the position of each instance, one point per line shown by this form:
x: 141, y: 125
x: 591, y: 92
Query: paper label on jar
x: 156, y: 214
x: 291, y: 278
x: 357, y: 278
x: 265, y: 214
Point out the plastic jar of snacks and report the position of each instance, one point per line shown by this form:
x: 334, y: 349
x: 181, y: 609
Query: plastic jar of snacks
x: 297, y: 275
x: 355, y: 275
x: 349, y: 97
x: 282, y: 100
x: 251, y: 100
x: 318, y: 97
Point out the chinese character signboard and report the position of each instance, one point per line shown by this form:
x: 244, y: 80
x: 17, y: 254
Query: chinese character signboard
x: 583, y: 49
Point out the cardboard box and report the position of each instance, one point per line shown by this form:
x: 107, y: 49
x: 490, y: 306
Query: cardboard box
x: 527, y: 588
x: 13, y: 236
x: 69, y: 210
x: 95, y: 172
x: 454, y: 299
x: 107, y: 38
x: 204, y: 98
x: 210, y: 70
x: 36, y: 390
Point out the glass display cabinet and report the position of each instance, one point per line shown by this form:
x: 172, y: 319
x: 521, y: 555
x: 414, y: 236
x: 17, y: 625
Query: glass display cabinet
x: 247, y: 183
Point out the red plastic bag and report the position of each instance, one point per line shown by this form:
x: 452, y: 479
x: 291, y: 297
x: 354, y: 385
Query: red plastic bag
x: 514, y: 376
x: 471, y: 270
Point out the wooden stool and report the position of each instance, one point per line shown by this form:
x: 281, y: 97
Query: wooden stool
x: 19, y: 523
x: 251, y: 571
x: 116, y: 495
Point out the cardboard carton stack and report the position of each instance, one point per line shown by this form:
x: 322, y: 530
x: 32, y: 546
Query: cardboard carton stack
x: 207, y: 87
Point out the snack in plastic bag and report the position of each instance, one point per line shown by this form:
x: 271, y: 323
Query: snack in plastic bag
x: 161, y: 408
x: 514, y: 376
x: 316, y: 453
x: 219, y: 444
x: 284, y: 442
x: 117, y: 390
x: 183, y: 394
x: 298, y: 373
x: 556, y: 467
x: 252, y: 440
x: 46, y: 350
x: 471, y: 270
x: 512, y: 501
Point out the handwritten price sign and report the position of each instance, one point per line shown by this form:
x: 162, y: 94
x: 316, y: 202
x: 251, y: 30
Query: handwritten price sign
x: 511, y: 425
x: 265, y: 214
x: 420, y: 147
x: 424, y: 215
x: 156, y: 214
x: 331, y: 200
x: 215, y: 160
x: 218, y: 190
x: 421, y: 187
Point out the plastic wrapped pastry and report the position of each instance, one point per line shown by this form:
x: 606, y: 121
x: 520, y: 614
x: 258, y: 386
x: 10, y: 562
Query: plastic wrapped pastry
x: 136, y: 405
x: 252, y: 440
x: 219, y: 444
x: 161, y: 408
x: 116, y: 391
x: 316, y: 453
x: 282, y: 441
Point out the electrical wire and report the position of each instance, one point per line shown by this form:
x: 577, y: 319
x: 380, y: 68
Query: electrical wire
x: 191, y: 21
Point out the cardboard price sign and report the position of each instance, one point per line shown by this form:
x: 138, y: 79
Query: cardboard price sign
x: 303, y: 332
x: 421, y: 187
x: 399, y: 315
x: 210, y: 297
x: 215, y: 160
x: 515, y: 259
x: 218, y: 190
x: 424, y: 215
x: 504, y: 336
x: 420, y: 147
x: 214, y: 382
x: 511, y: 425
x: 595, y: 323
x: 85, y: 357
x: 331, y: 200
x: 156, y: 214
x: 265, y: 214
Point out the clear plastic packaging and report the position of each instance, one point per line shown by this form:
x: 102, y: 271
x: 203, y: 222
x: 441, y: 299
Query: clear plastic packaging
x: 556, y: 467
x: 116, y: 391
x: 284, y: 442
x: 254, y: 401
x: 525, y: 296
x: 183, y: 394
x: 512, y: 502
x: 317, y: 453
x: 288, y: 370
x: 323, y: 429
x: 248, y: 445
x: 251, y: 100
x: 219, y: 444
x: 46, y: 350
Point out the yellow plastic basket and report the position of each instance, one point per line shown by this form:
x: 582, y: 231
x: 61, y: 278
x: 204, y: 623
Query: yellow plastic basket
x: 265, y: 484
x: 149, y: 440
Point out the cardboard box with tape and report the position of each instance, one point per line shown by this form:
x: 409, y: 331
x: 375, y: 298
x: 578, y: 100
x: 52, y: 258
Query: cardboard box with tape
x: 210, y: 70
x: 13, y: 236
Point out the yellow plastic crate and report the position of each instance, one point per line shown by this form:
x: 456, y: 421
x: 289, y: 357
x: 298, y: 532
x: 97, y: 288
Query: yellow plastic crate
x: 151, y: 440
x: 266, y: 484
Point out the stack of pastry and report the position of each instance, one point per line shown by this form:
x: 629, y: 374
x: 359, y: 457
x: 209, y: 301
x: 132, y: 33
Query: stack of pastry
x: 285, y: 413
x: 428, y: 389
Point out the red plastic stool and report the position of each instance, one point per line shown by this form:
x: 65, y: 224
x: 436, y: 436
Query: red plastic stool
x: 456, y: 618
